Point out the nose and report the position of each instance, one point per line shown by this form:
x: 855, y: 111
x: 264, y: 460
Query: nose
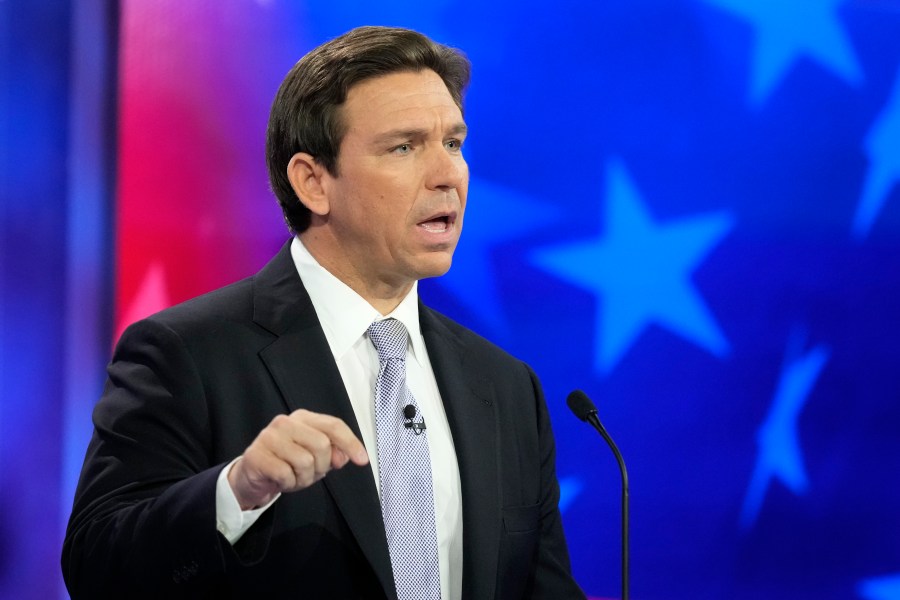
x: 447, y: 170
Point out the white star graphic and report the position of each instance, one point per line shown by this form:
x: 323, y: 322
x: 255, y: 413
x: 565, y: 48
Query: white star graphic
x: 883, y: 147
x: 785, y: 31
x: 780, y: 455
x: 569, y: 489
x: 151, y: 297
x: 881, y: 588
x: 641, y: 273
x: 494, y: 215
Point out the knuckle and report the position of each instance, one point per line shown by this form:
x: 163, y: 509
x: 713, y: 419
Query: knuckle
x: 300, y: 413
x: 303, y: 463
x: 306, y: 479
x: 280, y: 421
x: 267, y: 437
x: 332, y: 423
x: 284, y: 477
x: 319, y: 443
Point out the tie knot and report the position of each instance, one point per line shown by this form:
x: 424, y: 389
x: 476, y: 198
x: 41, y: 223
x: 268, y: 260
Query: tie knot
x: 389, y: 337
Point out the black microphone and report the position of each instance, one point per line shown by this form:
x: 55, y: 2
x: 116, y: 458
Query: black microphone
x: 585, y: 410
x: 409, y: 413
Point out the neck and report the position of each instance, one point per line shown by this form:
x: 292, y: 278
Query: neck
x: 384, y: 305
x: 382, y: 296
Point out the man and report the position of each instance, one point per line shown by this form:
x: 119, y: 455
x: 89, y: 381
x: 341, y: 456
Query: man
x: 238, y: 452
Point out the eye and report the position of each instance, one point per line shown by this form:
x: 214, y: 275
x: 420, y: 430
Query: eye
x: 453, y: 144
x: 402, y: 149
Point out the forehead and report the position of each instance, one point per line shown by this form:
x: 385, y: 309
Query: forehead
x: 385, y: 100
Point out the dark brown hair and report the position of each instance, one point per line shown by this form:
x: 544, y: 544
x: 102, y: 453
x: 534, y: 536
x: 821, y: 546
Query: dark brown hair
x: 306, y: 115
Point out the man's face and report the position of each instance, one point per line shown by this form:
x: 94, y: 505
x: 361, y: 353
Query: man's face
x: 396, y: 206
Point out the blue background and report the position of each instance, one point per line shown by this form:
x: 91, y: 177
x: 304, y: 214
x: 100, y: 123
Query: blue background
x: 686, y: 208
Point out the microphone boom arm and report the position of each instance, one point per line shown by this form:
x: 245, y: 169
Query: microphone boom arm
x: 585, y: 410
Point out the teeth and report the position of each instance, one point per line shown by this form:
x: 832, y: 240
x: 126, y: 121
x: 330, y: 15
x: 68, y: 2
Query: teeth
x: 435, y: 226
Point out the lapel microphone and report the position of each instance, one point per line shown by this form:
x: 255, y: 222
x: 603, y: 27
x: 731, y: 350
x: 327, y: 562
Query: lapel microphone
x: 409, y: 413
x: 584, y: 409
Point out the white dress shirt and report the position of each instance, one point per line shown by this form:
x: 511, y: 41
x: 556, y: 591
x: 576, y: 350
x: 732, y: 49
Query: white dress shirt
x: 345, y: 317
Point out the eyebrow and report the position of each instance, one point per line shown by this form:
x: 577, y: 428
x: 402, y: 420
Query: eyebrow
x: 416, y: 133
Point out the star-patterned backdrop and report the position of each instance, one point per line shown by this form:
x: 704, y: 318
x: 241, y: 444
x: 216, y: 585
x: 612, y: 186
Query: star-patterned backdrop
x: 687, y: 208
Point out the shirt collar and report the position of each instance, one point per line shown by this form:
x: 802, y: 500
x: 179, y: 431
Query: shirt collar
x: 345, y: 315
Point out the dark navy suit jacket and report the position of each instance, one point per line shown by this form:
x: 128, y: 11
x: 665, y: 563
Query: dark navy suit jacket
x: 190, y: 388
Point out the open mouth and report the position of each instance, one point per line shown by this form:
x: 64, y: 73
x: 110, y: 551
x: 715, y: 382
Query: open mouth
x: 439, y: 223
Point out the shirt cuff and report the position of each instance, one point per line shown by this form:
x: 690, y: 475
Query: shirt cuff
x: 231, y: 521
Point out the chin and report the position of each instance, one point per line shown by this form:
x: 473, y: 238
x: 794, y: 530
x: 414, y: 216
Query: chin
x: 435, y: 266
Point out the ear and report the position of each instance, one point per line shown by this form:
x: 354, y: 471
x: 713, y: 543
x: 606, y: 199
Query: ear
x: 306, y: 177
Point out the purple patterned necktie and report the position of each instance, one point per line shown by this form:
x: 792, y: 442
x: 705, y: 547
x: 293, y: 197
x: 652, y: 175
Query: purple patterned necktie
x: 404, y: 470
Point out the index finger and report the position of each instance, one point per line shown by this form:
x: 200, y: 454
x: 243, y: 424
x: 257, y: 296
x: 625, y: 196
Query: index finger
x: 338, y: 432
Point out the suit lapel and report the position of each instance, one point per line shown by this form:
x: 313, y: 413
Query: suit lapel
x: 301, y: 363
x: 469, y: 402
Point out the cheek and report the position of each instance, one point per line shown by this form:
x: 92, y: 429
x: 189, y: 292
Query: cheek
x: 384, y: 202
x: 386, y: 216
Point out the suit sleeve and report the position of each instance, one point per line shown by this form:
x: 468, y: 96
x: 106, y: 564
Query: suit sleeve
x: 143, y: 522
x: 553, y: 574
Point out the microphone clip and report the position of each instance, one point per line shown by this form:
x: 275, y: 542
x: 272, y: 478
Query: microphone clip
x: 417, y: 426
x: 409, y: 414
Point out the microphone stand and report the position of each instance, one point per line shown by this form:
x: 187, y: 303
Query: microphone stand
x: 585, y: 410
x: 594, y: 420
